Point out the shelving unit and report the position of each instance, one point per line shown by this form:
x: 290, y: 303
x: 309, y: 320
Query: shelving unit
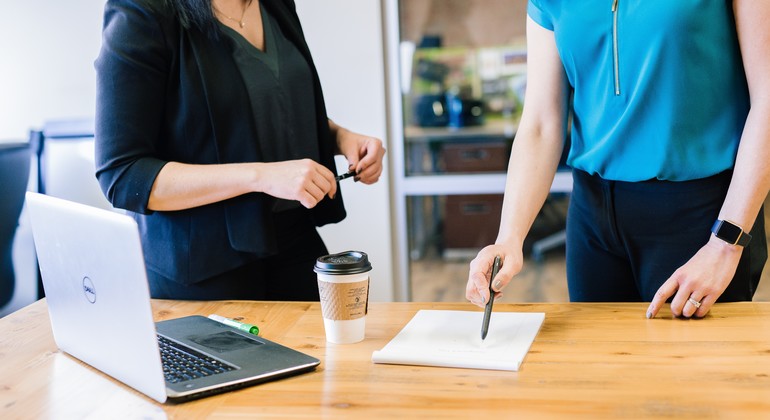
x: 422, y: 183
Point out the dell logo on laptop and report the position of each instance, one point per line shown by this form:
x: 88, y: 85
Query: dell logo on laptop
x: 89, y: 290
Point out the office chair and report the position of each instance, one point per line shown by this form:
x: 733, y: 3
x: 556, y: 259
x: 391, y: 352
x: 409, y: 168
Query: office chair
x: 14, y: 176
x: 64, y: 156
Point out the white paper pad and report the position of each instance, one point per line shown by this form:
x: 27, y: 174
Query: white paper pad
x: 453, y: 339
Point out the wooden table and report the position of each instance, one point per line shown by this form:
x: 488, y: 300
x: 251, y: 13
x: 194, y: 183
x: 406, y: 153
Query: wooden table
x: 588, y: 361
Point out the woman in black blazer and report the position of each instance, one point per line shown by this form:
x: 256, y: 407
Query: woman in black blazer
x: 212, y: 132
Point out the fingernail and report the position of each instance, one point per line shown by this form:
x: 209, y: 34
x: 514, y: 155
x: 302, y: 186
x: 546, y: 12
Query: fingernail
x: 497, y: 284
x: 649, y: 314
x: 356, y: 179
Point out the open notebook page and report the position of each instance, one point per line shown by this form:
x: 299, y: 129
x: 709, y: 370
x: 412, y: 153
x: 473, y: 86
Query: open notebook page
x: 453, y: 339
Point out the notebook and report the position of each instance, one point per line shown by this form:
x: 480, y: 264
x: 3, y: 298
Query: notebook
x: 453, y: 339
x: 98, y: 300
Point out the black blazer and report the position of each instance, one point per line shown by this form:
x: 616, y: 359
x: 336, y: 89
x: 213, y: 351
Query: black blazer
x: 170, y: 93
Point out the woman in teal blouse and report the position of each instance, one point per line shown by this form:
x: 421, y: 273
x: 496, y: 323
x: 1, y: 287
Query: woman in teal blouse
x: 669, y: 148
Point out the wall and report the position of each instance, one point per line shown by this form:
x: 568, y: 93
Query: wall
x: 46, y: 72
x: 346, y: 39
x: 47, y: 50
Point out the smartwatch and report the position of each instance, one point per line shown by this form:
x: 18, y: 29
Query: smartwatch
x: 730, y: 233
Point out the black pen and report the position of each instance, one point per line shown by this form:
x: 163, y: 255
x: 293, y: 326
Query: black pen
x: 488, y: 308
x: 348, y: 174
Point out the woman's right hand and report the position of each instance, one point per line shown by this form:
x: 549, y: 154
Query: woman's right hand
x: 477, y: 289
x: 304, y: 180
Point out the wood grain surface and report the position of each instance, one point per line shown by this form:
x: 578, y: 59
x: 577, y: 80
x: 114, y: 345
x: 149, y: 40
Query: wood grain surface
x: 588, y: 361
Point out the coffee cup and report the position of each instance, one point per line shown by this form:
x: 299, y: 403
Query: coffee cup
x: 343, y: 285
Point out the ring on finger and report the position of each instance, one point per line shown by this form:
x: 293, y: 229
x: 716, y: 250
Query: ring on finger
x: 694, y: 302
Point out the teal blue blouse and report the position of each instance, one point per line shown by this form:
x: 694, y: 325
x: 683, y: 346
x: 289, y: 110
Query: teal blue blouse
x: 659, y: 86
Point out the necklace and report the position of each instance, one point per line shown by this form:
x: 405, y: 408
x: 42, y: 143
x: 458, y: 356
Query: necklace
x: 240, y: 21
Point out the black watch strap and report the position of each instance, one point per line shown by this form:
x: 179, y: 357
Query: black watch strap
x: 730, y: 233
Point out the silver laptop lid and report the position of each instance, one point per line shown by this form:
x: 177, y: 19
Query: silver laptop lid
x: 96, y: 288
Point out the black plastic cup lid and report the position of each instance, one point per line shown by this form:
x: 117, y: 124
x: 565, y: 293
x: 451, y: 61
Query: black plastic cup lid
x: 348, y: 262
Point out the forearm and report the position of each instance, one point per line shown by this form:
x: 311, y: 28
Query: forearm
x: 182, y: 186
x: 751, y: 176
x: 540, y: 138
x: 531, y: 169
x: 335, y: 131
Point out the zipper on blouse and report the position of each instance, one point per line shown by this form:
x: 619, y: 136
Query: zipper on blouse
x: 615, y: 64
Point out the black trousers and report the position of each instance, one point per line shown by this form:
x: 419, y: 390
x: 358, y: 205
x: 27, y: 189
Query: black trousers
x: 624, y: 239
x: 287, y: 275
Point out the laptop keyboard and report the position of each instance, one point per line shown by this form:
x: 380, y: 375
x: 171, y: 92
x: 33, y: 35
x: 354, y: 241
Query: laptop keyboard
x: 182, y: 363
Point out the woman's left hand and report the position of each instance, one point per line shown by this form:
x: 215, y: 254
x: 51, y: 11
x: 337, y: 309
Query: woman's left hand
x: 698, y: 283
x: 364, y: 154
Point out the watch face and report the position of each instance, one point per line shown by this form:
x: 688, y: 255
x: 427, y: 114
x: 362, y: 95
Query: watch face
x: 728, y: 232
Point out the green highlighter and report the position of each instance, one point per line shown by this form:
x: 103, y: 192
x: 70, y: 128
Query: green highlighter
x: 249, y: 328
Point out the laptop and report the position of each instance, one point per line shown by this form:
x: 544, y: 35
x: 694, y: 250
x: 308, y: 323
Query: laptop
x: 98, y: 299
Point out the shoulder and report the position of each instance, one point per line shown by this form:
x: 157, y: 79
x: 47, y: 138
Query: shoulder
x: 142, y: 21
x: 158, y: 7
x: 285, y: 11
x: 289, y: 4
x: 160, y: 11
x: 147, y: 31
x: 152, y: 7
x: 543, y: 12
x: 285, y: 7
x: 547, y: 4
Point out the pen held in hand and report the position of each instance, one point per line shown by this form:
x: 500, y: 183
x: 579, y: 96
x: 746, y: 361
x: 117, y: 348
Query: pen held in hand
x: 348, y: 174
x: 488, y: 308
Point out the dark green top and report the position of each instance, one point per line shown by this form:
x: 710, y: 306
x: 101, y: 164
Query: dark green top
x: 280, y: 89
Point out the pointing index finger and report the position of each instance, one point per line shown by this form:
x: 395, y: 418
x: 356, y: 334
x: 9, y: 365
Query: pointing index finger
x: 665, y: 291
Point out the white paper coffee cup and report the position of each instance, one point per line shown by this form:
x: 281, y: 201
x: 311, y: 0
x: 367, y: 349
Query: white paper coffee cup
x: 343, y: 285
